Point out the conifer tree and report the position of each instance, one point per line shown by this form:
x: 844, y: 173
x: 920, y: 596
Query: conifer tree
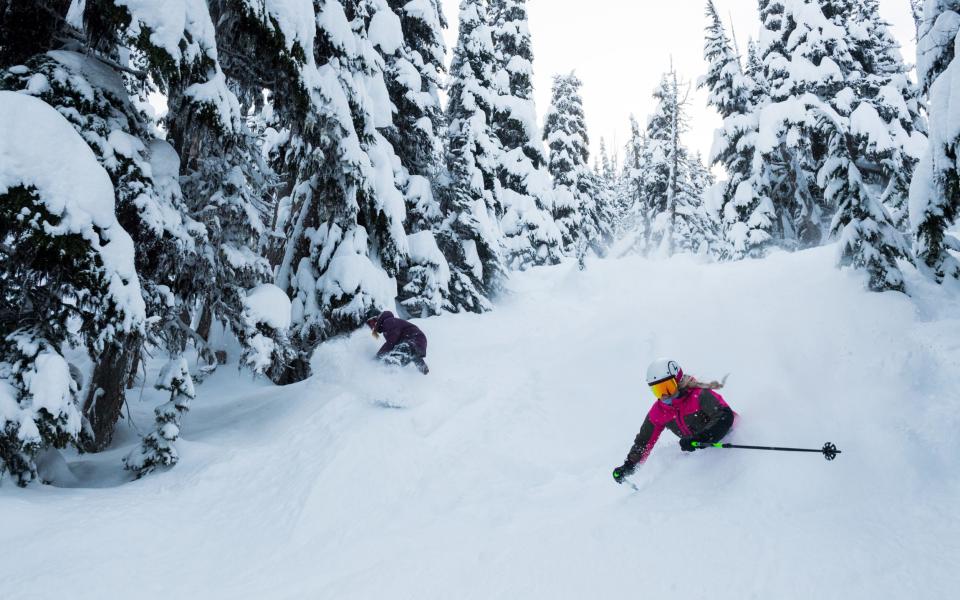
x: 225, y: 180
x: 729, y: 87
x: 413, y: 72
x: 531, y: 237
x: 733, y: 94
x: 582, y: 211
x: 869, y: 146
x: 89, y: 89
x: 343, y: 226
x: 795, y: 34
x: 67, y: 282
x: 631, y: 199
x: 608, y: 168
x: 887, y: 161
x: 264, y: 337
x: 869, y: 240
x: 213, y: 169
x: 668, y: 167
x: 935, y: 191
x: 157, y: 448
x: 697, y: 224
x: 838, y: 124
x: 607, y: 171
x: 470, y: 236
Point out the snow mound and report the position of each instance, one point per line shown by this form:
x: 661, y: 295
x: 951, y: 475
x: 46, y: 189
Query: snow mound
x: 269, y: 305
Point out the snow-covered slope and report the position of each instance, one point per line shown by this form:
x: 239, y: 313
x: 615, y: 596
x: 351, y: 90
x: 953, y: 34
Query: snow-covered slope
x: 491, y: 477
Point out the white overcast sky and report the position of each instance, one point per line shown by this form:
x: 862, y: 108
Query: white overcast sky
x: 620, y: 48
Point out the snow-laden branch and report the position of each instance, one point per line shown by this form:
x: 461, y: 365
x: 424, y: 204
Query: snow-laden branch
x: 69, y: 35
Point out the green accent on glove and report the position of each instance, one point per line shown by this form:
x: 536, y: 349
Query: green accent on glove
x: 701, y: 445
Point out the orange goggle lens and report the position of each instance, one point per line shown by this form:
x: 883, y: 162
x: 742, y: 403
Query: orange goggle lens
x: 664, y: 389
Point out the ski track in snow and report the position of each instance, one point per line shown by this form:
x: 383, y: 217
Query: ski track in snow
x: 491, y: 477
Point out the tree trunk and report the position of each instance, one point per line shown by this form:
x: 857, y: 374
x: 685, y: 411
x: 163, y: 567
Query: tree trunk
x: 206, y: 322
x: 134, y: 367
x: 106, y: 393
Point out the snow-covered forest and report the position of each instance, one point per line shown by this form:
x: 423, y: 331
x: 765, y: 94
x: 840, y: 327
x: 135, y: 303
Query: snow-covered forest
x: 204, y: 202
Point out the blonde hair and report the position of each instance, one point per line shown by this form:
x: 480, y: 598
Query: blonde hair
x: 689, y: 383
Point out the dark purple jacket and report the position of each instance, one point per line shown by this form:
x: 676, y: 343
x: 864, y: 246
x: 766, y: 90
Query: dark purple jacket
x: 396, y: 330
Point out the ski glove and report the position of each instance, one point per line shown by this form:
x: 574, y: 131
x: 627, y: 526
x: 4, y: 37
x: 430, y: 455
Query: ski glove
x: 622, y: 472
x: 686, y: 443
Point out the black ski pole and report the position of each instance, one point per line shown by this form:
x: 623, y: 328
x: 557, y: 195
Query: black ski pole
x: 829, y: 450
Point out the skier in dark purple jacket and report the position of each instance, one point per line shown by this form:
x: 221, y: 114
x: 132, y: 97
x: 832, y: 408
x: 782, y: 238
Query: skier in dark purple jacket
x: 405, y: 343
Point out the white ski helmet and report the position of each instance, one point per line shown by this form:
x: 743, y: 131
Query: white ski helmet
x: 662, y: 369
x: 663, y: 377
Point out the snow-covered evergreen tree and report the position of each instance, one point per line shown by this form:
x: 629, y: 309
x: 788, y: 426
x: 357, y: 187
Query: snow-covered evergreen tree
x: 631, y: 203
x: 471, y: 237
x: 222, y: 177
x: 582, y: 209
x: 729, y: 87
x: 800, y: 52
x: 426, y: 281
x: 668, y: 167
x: 68, y: 278
x: 212, y: 175
x: 609, y: 169
x: 413, y: 74
x: 158, y: 448
x: 343, y: 226
x: 868, y: 238
x: 732, y: 94
x: 890, y: 142
x: 935, y: 191
x: 266, y: 321
x: 601, y: 216
x: 697, y: 222
x: 91, y: 93
x: 835, y: 94
x: 413, y: 71
x: 530, y: 235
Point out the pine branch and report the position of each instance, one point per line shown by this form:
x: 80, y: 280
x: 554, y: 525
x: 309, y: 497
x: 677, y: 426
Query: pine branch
x: 112, y: 63
x: 868, y: 167
x: 262, y: 80
x: 202, y: 344
x: 71, y: 35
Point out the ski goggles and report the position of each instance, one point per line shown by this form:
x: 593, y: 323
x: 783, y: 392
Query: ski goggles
x: 665, y: 388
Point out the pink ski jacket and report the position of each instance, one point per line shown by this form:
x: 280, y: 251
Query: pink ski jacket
x: 700, y: 414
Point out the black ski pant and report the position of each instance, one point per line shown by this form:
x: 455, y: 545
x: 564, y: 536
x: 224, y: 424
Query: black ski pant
x: 404, y: 354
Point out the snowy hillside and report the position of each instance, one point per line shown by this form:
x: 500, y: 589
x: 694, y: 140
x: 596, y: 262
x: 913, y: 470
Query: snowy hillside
x: 491, y: 477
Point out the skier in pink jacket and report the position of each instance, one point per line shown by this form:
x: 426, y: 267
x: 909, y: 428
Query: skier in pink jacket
x: 692, y: 410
